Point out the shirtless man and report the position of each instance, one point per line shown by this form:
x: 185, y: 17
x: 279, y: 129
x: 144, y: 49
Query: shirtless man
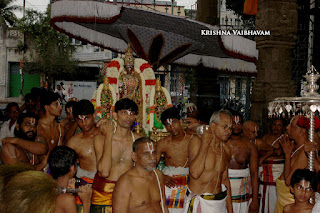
x: 69, y: 124
x: 141, y: 189
x: 271, y: 161
x: 82, y: 143
x: 209, y: 186
x: 175, y: 150
x: 62, y: 162
x: 297, y: 130
x: 48, y: 126
x: 113, y: 151
x: 26, y: 146
x: 243, y: 166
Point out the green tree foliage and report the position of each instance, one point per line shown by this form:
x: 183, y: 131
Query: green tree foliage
x: 50, y: 51
x: 6, y: 12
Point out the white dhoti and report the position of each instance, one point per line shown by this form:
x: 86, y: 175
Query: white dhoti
x: 241, y: 192
x: 175, y: 196
x: 205, y: 203
x: 269, y: 171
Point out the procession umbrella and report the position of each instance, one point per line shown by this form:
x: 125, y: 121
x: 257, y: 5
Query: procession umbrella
x: 159, y: 38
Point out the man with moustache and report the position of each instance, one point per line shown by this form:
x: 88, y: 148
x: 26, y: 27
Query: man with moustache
x: 175, y: 150
x: 26, y: 146
x: 297, y: 130
x: 141, y: 189
x: 243, y: 169
x: 209, y: 186
x: 82, y: 143
x: 113, y: 150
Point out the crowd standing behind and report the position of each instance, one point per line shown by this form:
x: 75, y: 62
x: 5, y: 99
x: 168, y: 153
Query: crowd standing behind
x: 227, y: 168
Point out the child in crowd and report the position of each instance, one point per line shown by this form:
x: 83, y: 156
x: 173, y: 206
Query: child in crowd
x: 303, y: 185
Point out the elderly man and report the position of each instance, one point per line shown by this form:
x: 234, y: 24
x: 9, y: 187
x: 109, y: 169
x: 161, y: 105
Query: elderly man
x: 209, y: 186
x: 141, y: 189
x: 297, y: 131
x: 243, y: 169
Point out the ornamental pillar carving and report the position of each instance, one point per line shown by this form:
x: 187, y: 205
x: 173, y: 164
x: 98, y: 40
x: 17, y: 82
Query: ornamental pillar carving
x: 274, y: 63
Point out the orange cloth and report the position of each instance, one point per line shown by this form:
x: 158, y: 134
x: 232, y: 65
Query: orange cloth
x: 102, y: 191
x: 250, y: 7
x: 89, y: 181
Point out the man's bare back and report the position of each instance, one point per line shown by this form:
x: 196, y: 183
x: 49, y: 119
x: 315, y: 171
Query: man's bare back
x: 143, y: 192
x: 83, y: 145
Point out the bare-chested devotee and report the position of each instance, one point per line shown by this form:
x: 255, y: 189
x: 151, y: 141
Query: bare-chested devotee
x: 209, y: 186
x: 82, y: 143
x: 271, y: 161
x: 48, y: 126
x: 243, y: 169
x: 175, y: 150
x: 141, y: 189
x: 26, y: 146
x: 297, y: 130
x: 69, y: 124
x: 113, y: 151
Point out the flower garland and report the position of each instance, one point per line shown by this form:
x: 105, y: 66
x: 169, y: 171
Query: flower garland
x: 304, y: 122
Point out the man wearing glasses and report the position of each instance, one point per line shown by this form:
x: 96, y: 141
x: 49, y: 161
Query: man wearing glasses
x: 243, y: 169
x: 209, y: 186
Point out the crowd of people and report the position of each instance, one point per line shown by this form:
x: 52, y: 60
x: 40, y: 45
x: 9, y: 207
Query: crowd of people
x: 83, y: 165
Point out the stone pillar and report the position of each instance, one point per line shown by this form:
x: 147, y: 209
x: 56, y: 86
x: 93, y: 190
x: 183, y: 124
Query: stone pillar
x: 208, y: 11
x: 274, y: 63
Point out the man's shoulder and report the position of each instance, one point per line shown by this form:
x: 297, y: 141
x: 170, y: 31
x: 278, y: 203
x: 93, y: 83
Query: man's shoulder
x: 65, y: 200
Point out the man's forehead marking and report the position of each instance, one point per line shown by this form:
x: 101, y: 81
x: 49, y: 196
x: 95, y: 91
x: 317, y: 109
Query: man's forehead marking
x: 33, y: 121
x: 169, y: 121
x: 150, y: 146
x: 81, y: 117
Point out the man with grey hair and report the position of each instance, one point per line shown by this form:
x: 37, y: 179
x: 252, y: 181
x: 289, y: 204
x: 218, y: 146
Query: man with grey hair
x: 209, y: 186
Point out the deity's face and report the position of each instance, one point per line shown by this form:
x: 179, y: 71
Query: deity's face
x: 28, y: 128
x: 236, y: 125
x: 146, y: 156
x: 85, y: 122
x: 129, y: 69
x: 54, y: 108
x: 125, y: 118
x: 173, y: 126
x: 223, y: 129
x: 277, y: 127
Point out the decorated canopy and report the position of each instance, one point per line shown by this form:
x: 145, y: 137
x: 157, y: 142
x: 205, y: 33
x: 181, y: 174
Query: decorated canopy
x: 158, y: 38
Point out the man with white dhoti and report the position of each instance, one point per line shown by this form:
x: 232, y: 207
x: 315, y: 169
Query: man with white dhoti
x: 175, y: 150
x: 209, y: 187
x: 271, y: 167
x: 243, y: 169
